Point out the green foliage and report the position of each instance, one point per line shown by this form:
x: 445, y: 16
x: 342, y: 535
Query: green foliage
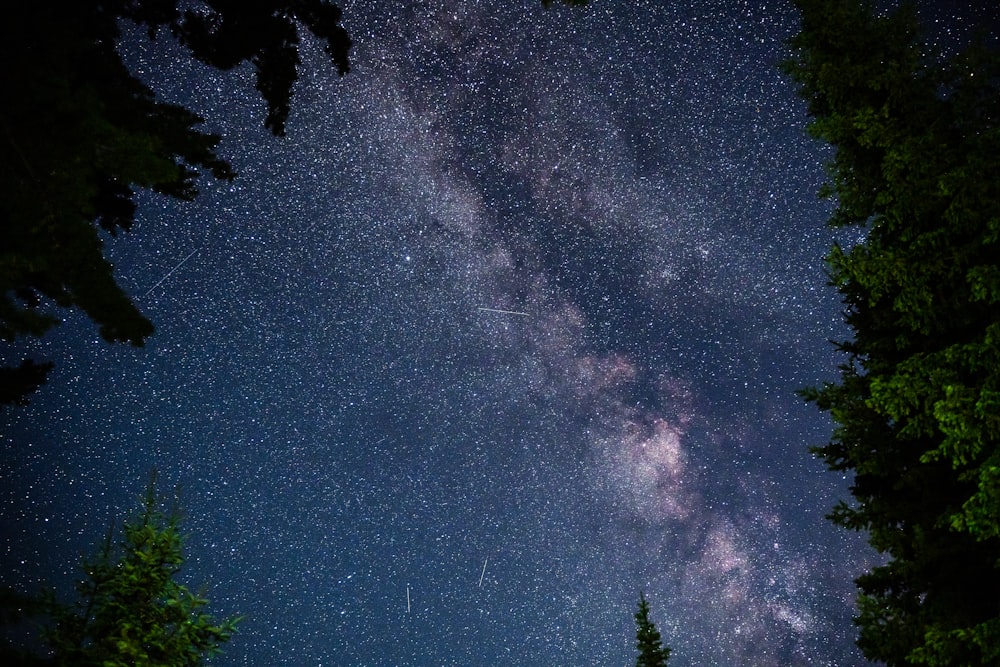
x: 79, y: 135
x: 131, y: 610
x: 917, y: 408
x: 651, y: 651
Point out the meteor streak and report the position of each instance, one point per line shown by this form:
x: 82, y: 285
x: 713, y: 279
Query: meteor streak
x: 505, y: 312
x: 484, y: 572
x: 171, y: 271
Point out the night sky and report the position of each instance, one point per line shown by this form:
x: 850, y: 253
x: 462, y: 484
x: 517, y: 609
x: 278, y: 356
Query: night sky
x: 506, y: 330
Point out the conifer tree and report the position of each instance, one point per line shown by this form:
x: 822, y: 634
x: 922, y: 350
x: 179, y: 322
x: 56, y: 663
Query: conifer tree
x: 652, y: 653
x: 916, y: 132
x: 131, y: 610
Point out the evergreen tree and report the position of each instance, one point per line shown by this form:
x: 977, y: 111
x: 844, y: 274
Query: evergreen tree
x: 131, y: 610
x: 79, y: 134
x: 651, y: 651
x: 917, y: 407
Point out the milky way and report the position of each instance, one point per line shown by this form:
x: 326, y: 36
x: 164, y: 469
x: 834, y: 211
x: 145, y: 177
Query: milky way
x: 527, y: 288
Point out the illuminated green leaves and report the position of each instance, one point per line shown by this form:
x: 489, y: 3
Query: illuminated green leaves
x: 917, y: 409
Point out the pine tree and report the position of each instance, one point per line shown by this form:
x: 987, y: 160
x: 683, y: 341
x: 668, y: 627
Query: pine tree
x: 917, y: 407
x: 131, y: 610
x: 651, y: 651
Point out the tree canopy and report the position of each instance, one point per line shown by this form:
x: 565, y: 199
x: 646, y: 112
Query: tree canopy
x: 917, y: 406
x: 131, y: 610
x: 80, y: 134
x: 652, y: 653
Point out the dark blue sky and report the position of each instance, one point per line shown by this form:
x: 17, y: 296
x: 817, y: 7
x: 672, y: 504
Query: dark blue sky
x: 351, y: 419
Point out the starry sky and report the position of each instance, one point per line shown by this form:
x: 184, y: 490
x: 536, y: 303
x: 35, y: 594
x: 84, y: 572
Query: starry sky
x: 506, y: 330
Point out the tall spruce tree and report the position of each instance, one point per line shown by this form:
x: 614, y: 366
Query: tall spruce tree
x: 652, y: 653
x: 131, y: 611
x: 917, y: 407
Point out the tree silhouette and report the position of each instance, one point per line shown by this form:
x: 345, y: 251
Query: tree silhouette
x: 917, y: 407
x: 651, y: 651
x: 79, y: 134
x: 17, y: 382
